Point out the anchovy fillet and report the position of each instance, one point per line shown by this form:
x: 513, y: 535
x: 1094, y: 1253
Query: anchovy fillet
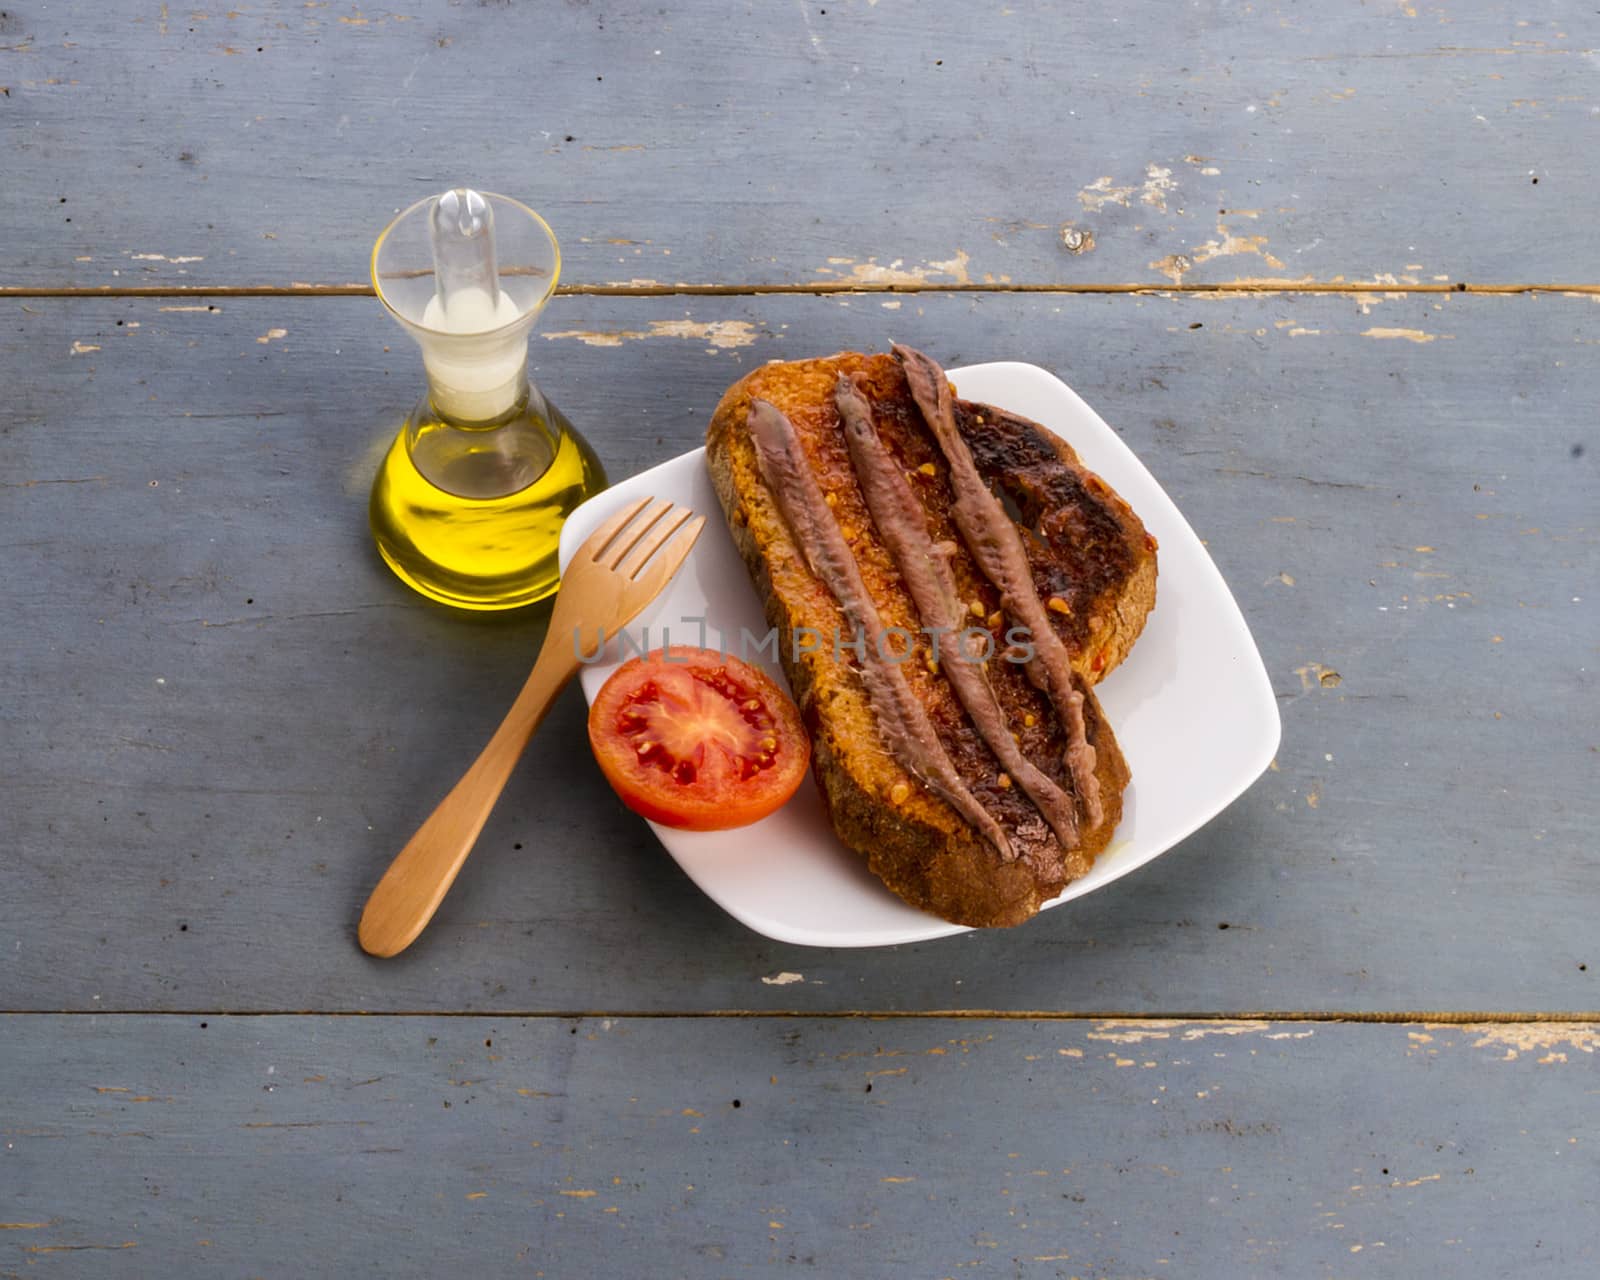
x: 902, y: 524
x: 997, y: 547
x: 905, y: 726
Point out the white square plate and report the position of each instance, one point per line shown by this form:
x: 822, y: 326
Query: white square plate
x: 1192, y: 706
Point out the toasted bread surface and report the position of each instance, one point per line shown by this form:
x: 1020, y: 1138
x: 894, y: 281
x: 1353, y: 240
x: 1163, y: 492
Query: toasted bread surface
x: 1088, y: 551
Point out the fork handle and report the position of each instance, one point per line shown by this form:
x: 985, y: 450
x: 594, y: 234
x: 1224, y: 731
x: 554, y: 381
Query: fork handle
x: 412, y: 888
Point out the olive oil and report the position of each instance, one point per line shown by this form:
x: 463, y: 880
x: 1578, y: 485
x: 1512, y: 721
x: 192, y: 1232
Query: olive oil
x: 468, y: 505
x: 471, y: 515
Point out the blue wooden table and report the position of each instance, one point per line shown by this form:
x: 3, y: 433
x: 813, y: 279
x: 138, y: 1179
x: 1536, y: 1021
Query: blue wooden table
x: 1330, y: 270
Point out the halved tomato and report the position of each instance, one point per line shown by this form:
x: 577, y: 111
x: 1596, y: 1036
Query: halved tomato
x: 696, y: 739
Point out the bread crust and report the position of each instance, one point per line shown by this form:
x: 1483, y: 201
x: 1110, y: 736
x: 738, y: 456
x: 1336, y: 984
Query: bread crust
x: 914, y: 841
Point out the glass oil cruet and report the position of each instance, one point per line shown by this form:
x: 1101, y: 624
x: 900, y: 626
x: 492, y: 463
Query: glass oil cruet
x: 468, y: 505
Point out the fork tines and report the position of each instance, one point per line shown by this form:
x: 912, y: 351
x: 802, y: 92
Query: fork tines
x: 630, y: 540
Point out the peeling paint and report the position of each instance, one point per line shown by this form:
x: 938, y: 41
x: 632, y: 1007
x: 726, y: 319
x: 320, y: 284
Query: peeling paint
x: 869, y: 272
x: 1176, y: 265
x: 1528, y: 1037
x: 720, y: 333
x: 1099, y: 193
x: 1138, y: 1030
x: 1314, y: 675
x: 783, y: 979
x: 1409, y: 335
x: 1157, y: 182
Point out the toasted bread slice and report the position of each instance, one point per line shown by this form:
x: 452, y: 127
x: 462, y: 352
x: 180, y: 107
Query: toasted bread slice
x: 1090, y: 557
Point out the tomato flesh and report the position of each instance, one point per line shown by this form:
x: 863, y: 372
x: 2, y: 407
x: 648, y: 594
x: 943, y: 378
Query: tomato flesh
x: 695, y: 739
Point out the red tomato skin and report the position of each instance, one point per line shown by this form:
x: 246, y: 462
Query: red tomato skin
x: 650, y: 793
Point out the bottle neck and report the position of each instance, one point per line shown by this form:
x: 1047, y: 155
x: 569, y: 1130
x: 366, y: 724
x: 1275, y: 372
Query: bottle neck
x: 469, y: 388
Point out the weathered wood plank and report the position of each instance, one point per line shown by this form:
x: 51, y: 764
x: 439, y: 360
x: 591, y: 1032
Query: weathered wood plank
x: 412, y: 1146
x: 219, y: 715
x: 1030, y: 141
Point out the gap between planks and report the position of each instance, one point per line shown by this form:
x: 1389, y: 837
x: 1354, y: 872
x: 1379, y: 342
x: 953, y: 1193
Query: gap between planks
x: 1438, y: 1017
x: 1243, y: 289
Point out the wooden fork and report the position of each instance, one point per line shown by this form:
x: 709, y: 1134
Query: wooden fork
x: 618, y: 570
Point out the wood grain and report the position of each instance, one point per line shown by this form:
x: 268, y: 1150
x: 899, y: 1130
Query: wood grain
x: 1031, y: 141
x: 713, y: 1147
x: 1401, y: 500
